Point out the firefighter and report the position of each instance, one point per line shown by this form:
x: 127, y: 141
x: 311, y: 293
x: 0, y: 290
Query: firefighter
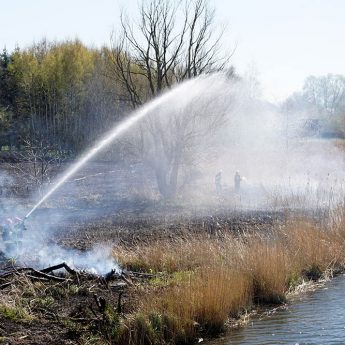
x: 12, y: 234
x: 218, y: 182
x: 7, y: 235
x: 237, y: 182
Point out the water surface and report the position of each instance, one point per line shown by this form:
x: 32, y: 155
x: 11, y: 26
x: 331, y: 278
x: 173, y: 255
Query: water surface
x: 315, y: 318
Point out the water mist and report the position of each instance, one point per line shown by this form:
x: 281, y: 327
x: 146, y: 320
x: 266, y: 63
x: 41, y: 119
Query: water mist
x: 212, y: 88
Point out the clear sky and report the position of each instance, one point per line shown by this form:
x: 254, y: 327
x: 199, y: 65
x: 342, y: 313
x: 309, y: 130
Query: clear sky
x: 284, y: 41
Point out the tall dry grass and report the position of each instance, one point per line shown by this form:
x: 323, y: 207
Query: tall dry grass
x: 269, y: 265
x: 212, y: 279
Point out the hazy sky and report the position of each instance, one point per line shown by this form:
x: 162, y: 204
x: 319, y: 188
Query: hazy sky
x: 284, y: 41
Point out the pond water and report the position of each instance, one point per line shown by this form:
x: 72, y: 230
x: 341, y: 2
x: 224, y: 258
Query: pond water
x: 314, y: 318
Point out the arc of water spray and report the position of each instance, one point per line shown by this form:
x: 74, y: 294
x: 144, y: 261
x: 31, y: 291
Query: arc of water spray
x: 115, y: 133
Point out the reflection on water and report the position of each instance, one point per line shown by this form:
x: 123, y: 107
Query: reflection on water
x: 317, y: 318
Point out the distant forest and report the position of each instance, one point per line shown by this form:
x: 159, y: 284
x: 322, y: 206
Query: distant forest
x: 62, y: 93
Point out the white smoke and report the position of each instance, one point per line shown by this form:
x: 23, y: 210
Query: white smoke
x: 257, y: 139
x: 98, y: 260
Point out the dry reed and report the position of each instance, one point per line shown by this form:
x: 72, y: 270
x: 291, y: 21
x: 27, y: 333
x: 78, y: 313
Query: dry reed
x: 225, y: 275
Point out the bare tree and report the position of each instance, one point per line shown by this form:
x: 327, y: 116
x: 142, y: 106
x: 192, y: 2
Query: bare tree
x: 326, y: 93
x: 160, y: 50
x: 321, y: 105
x: 171, y: 42
x: 176, y: 137
x: 36, y: 160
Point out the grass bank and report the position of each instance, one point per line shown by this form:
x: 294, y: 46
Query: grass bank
x: 205, y: 281
x: 193, y: 285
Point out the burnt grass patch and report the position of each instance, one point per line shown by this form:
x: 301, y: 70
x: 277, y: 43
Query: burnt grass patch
x: 132, y: 229
x: 38, y: 311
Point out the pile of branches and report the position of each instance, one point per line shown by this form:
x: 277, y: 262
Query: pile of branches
x: 65, y: 273
x: 105, y: 290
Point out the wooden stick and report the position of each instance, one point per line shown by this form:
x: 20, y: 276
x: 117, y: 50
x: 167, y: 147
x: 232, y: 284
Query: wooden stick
x: 38, y: 273
x: 59, y: 266
x: 37, y: 278
x: 48, y: 276
x: 4, y: 286
x: 126, y: 280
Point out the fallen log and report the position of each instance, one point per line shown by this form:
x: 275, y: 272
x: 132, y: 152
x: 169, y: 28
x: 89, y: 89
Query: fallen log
x: 126, y: 279
x: 118, y: 286
x: 58, y: 267
x: 100, y: 302
x: 6, y: 275
x: 37, y: 278
x: 82, y: 319
x: 32, y: 273
x: 140, y: 274
x: 119, y: 308
x: 45, y: 275
x: 49, y: 276
x: 4, y: 286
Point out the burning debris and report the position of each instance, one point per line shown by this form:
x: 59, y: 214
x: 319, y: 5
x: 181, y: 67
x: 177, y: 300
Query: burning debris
x: 60, y: 295
x: 63, y: 273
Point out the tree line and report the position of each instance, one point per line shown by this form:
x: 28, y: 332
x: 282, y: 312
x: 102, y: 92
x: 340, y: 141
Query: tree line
x: 320, y: 105
x: 68, y: 93
x: 61, y: 96
x: 57, y: 92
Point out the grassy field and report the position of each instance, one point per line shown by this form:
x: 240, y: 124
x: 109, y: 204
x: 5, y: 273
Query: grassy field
x: 188, y: 275
x: 206, y: 281
x: 193, y: 286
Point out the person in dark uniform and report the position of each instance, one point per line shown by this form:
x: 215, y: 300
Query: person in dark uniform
x: 218, y: 182
x: 237, y: 182
x: 12, y: 234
